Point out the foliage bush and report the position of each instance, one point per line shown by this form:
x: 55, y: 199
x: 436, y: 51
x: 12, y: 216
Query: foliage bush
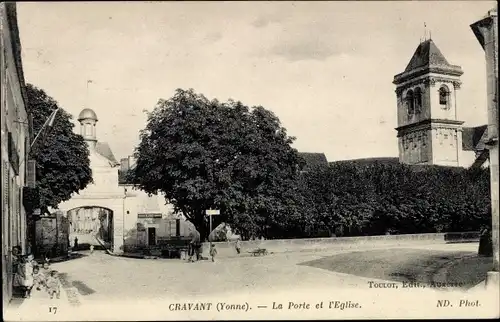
x: 353, y: 199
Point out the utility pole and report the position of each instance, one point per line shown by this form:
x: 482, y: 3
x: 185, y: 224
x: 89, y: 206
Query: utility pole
x: 486, y: 32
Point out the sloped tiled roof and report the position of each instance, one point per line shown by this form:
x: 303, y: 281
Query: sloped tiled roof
x: 426, y: 55
x: 427, y: 59
x: 313, y: 159
x: 103, y: 149
x: 473, y: 138
x: 12, y: 26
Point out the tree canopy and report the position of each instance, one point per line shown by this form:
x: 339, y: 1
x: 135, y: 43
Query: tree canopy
x: 62, y: 161
x: 205, y: 154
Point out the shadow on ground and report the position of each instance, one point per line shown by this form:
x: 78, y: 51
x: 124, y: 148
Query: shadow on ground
x: 86, y: 246
x: 81, y: 287
x: 410, y: 265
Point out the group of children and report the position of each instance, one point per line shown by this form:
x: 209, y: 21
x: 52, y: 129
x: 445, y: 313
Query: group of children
x: 27, y: 275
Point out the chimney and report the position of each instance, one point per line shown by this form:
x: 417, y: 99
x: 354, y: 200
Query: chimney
x: 124, y: 164
x: 131, y: 161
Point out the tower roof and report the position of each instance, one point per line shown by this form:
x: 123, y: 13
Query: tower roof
x: 87, y: 114
x: 427, y: 58
x: 426, y: 55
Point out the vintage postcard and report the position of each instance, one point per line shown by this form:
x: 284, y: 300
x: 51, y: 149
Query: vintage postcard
x: 248, y: 160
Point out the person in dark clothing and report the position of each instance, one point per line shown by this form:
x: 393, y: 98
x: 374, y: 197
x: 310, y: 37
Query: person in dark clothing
x: 75, y: 245
x: 194, y: 246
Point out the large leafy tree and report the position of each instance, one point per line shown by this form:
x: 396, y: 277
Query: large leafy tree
x: 62, y: 157
x: 206, y: 154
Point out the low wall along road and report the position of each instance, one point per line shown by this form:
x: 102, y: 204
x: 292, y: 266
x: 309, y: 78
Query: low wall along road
x: 227, y: 249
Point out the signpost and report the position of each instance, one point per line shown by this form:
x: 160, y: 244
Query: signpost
x: 210, y: 213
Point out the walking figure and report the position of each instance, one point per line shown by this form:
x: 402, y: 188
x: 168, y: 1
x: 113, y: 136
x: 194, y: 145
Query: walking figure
x: 75, y: 245
x: 91, y: 249
x: 213, y: 251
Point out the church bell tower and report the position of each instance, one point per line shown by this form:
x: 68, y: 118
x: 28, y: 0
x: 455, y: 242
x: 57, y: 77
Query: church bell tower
x: 429, y: 129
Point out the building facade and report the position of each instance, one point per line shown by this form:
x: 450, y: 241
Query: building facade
x: 116, y: 212
x: 151, y: 220
x: 486, y: 32
x: 15, y: 142
x: 430, y: 131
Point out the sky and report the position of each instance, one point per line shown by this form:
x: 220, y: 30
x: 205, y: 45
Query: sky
x: 324, y: 68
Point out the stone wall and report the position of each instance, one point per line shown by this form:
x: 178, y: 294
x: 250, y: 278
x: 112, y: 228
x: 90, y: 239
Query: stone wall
x: 52, y: 236
x: 227, y: 249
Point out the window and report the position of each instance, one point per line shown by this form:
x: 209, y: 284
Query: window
x: 418, y: 100
x: 13, y: 154
x: 410, y: 102
x: 88, y: 130
x: 444, y: 97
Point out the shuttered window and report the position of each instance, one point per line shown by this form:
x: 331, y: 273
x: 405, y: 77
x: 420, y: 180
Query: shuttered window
x: 13, y: 155
x: 5, y: 184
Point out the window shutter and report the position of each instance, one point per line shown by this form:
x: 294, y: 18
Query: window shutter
x: 18, y: 202
x: 5, y: 177
x: 13, y: 155
x: 31, y: 174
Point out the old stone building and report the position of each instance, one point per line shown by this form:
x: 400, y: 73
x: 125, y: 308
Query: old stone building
x: 430, y: 130
x: 121, y: 216
x: 15, y: 141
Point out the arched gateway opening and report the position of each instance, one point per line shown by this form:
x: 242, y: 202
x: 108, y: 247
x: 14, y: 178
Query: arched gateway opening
x: 91, y: 225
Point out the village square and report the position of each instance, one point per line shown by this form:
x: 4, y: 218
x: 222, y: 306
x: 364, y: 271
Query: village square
x: 189, y: 194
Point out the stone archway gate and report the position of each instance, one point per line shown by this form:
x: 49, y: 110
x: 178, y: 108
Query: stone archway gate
x: 113, y: 203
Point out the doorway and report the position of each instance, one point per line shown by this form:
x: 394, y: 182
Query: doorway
x: 151, y: 236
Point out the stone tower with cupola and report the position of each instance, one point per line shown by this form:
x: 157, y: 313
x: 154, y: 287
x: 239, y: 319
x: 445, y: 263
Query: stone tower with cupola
x: 429, y: 129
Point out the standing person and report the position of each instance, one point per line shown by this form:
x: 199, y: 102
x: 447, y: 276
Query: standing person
x: 191, y: 248
x: 46, y: 273
x: 23, y: 277
x: 194, y: 245
x: 53, y: 287
x: 75, y: 245
x: 213, y: 251
x: 238, y: 246
x: 197, y: 245
x: 91, y: 249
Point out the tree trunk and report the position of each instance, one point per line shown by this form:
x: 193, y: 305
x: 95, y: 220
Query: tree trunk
x: 200, y: 224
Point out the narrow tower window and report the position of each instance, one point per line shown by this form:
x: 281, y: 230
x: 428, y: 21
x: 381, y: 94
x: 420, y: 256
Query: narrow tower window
x: 418, y: 100
x: 444, y: 97
x: 410, y: 103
